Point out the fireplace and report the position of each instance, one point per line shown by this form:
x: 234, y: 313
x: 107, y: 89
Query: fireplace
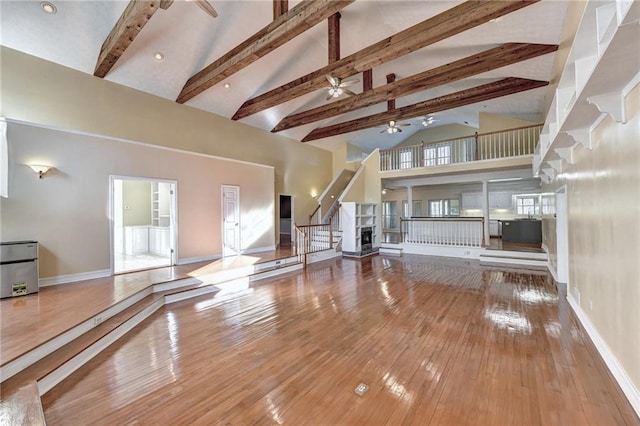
x: 366, y: 239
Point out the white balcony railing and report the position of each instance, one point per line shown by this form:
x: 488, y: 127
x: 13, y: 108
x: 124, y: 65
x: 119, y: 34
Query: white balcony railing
x: 516, y: 142
x: 458, y: 232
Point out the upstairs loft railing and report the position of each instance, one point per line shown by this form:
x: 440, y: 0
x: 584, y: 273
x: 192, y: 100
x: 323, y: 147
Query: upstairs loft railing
x: 456, y: 232
x: 515, y: 142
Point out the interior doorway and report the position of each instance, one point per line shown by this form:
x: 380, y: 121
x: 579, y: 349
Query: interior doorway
x: 285, y: 209
x: 562, y: 236
x: 143, y: 231
x: 230, y: 220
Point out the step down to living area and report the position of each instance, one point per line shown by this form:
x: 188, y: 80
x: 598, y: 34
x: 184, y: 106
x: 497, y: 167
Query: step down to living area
x: 516, y: 258
x: 58, y: 358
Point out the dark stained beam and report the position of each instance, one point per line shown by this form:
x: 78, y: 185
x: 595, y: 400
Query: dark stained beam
x: 133, y: 19
x: 303, y: 16
x: 482, y: 62
x: 453, y: 21
x: 334, y: 37
x: 391, y: 103
x: 280, y: 7
x: 481, y: 93
x: 367, y: 80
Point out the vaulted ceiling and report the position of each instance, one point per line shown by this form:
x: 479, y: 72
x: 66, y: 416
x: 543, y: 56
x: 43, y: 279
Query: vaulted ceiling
x: 450, y: 59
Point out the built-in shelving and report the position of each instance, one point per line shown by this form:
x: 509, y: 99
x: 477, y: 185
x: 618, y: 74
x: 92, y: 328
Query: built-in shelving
x: 601, y: 69
x: 355, y: 218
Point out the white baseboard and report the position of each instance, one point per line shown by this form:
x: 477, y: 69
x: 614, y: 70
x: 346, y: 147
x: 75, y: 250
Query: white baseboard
x: 618, y: 372
x: 544, y: 247
x: 196, y: 259
x: 70, y: 278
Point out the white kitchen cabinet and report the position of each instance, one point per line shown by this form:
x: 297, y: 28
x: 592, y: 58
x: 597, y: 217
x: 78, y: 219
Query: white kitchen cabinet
x: 159, y: 241
x: 136, y: 239
x: 500, y: 200
x: 495, y: 228
x: 497, y: 200
x: 472, y: 201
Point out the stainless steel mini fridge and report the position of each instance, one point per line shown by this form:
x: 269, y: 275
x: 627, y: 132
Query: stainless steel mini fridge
x: 18, y: 268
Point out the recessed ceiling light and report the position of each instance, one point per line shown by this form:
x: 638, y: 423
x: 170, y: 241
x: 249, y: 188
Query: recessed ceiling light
x: 158, y: 56
x: 48, y: 7
x: 226, y: 85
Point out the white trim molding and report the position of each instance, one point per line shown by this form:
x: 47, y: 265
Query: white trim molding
x: 618, y: 372
x: 196, y: 259
x: 70, y: 278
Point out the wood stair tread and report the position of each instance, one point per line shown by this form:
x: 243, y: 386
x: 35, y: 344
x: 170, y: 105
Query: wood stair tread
x: 52, y: 361
x: 23, y: 407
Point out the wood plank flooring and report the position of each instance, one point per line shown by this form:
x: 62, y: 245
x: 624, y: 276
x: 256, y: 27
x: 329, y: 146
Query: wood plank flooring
x: 28, y: 321
x: 438, y: 341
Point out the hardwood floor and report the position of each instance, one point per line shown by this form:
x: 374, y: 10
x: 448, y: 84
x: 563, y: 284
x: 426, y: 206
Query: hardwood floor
x: 438, y: 341
x: 55, y: 309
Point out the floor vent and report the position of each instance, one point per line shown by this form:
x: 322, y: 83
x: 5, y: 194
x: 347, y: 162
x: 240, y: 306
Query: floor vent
x: 361, y: 389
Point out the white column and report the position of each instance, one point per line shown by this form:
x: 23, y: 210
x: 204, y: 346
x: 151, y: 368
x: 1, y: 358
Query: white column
x: 485, y: 210
x: 410, y: 201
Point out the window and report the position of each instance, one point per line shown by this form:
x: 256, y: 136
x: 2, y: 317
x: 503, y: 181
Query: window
x: 437, y: 155
x: 405, y: 159
x: 444, y: 208
x: 528, y: 205
x: 389, y: 215
x: 417, y: 208
x: 548, y: 204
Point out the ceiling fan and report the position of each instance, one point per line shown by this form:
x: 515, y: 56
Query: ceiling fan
x: 337, y: 87
x: 206, y: 6
x: 394, y: 127
x: 428, y: 120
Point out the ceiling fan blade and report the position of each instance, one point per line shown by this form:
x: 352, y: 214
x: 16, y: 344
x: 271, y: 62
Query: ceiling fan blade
x: 206, y: 6
x: 332, y: 81
x: 399, y: 129
x: 383, y: 131
x: 349, y: 82
x: 329, y: 97
x: 348, y: 92
x: 404, y: 124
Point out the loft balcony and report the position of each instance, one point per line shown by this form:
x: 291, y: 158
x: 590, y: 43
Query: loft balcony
x: 506, y: 149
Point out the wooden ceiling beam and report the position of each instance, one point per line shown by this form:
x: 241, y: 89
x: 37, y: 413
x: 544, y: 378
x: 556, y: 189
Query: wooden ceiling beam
x: 391, y: 102
x: 303, y: 16
x: 453, y: 21
x: 280, y: 7
x: 488, y: 60
x: 334, y: 37
x: 133, y: 19
x: 481, y: 93
x: 367, y: 80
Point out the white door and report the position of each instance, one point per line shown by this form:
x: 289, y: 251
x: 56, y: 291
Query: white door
x: 230, y: 220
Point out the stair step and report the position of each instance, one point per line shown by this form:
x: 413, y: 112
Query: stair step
x: 514, y: 254
x: 23, y: 407
x: 53, y: 360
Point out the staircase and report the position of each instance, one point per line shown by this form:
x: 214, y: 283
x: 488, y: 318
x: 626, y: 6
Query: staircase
x: 25, y: 378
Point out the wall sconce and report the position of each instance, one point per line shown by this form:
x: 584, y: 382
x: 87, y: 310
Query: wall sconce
x: 40, y: 169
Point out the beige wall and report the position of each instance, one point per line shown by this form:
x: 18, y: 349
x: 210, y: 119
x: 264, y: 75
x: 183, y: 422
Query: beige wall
x: 68, y: 210
x: 603, y: 197
x: 493, y: 122
x: 37, y: 91
x: 341, y: 158
x: 136, y: 203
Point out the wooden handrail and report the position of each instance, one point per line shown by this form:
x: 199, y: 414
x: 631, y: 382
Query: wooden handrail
x: 314, y: 212
x: 475, y: 135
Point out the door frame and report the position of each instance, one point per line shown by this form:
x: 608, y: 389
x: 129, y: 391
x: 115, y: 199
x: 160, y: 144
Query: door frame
x: 222, y: 235
x: 293, y: 222
x: 173, y: 208
x: 562, y: 235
